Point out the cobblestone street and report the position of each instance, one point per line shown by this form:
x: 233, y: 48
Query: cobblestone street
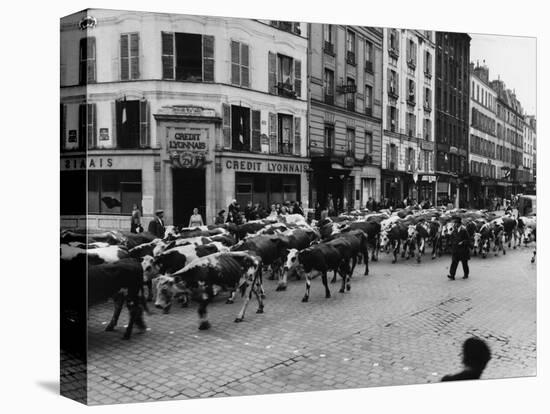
x: 402, y: 324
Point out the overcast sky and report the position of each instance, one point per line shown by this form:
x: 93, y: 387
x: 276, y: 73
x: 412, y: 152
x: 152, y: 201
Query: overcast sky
x: 514, y: 59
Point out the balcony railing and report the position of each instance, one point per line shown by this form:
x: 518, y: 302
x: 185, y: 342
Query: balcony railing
x: 286, y: 90
x: 411, y: 99
x: 285, y: 148
x: 350, y: 106
x: 392, y: 91
x: 329, y: 99
x: 369, y: 66
x: 427, y: 107
x: 411, y: 63
x: 393, y: 52
x: 350, y: 57
x: 328, y: 48
x: 428, y: 73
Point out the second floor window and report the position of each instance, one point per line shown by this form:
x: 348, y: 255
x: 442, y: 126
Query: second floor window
x: 240, y: 128
x: 240, y: 72
x: 329, y: 139
x: 87, y: 126
x: 369, y: 147
x: 393, y: 83
x: 427, y: 129
x: 286, y: 139
x: 411, y: 125
x: 368, y: 100
x: 187, y: 57
x: 350, y: 142
x: 87, y: 61
x: 129, y: 56
x: 350, y: 97
x: 132, y: 123
x: 284, y: 75
x: 392, y: 118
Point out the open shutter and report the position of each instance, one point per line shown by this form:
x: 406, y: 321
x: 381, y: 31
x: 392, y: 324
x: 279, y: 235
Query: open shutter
x: 226, y: 125
x: 256, y: 131
x: 388, y: 117
x: 235, y: 63
x: 114, y: 123
x: 273, y: 133
x: 134, y: 56
x: 124, y: 58
x: 245, y: 71
x: 297, y: 135
x: 167, y: 55
x: 91, y: 123
x: 272, y: 73
x: 298, y: 78
x: 83, y: 57
x: 144, y: 124
x: 81, y: 126
x: 91, y: 68
x: 208, y: 58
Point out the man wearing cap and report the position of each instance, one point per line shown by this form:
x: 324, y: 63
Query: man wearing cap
x: 156, y: 226
x: 460, y: 241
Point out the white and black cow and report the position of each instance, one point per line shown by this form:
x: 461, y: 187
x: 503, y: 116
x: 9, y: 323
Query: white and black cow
x: 231, y: 271
x: 396, y: 234
x: 416, y: 241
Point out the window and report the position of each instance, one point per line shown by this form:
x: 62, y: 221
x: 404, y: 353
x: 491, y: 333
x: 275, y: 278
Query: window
x: 410, y: 160
x: 350, y: 97
x: 291, y: 27
x: 427, y: 160
x: 240, y: 64
x: 113, y: 192
x: 369, y: 144
x: 87, y: 61
x: 411, y: 54
x: 187, y: 57
x: 132, y: 119
x: 329, y: 86
x: 284, y: 75
x: 392, y: 118
x: 427, y: 99
x: 411, y: 124
x: 286, y: 141
x: 393, y: 43
x: 411, y: 95
x: 350, y: 56
x: 393, y: 83
x: 87, y: 121
x: 427, y: 129
x: 350, y: 142
x: 129, y: 56
x: 328, y: 37
x: 368, y: 100
x: 369, y: 57
x: 240, y: 128
x: 428, y: 64
x: 329, y: 139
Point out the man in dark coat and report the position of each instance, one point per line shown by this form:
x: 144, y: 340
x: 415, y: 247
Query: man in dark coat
x: 460, y: 243
x: 156, y: 226
x: 475, y: 356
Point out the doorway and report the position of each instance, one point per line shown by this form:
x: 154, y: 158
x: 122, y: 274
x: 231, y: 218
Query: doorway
x: 189, y: 188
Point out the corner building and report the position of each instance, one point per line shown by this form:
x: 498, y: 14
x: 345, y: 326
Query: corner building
x: 175, y: 111
x: 345, y: 79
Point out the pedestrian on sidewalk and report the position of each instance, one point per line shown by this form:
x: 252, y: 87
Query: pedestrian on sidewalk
x: 135, y: 220
x: 475, y: 356
x: 156, y: 226
x: 460, y: 243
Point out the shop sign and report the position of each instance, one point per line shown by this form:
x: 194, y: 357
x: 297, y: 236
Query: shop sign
x: 429, y: 178
x: 427, y: 145
x: 82, y: 163
x: 453, y: 150
x: 186, y: 140
x: 104, y: 134
x: 265, y: 166
x: 187, y: 110
x: 72, y: 135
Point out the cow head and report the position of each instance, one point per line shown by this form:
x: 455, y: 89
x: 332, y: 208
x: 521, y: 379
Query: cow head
x: 528, y: 235
x: 477, y: 239
x: 411, y: 232
x: 384, y: 240
x: 150, y: 268
x: 167, y: 287
x: 292, y: 262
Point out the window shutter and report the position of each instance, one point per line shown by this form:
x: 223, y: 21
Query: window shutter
x: 83, y: 57
x: 413, y: 159
x: 389, y: 80
x: 396, y: 120
x: 272, y: 73
x: 124, y: 58
x: 297, y: 135
x: 91, y: 60
x: 273, y: 133
x: 81, y: 126
x: 245, y: 71
x: 226, y: 125
x: 396, y: 41
x: 167, y: 55
x: 414, y: 125
x: 114, y: 123
x: 91, y: 125
x: 144, y: 132
x: 256, y: 131
x: 298, y: 78
x: 397, y: 83
x: 134, y: 56
x: 388, y: 156
x: 388, y: 117
x: 409, y: 45
x: 208, y: 58
x: 235, y: 63
x: 63, y: 125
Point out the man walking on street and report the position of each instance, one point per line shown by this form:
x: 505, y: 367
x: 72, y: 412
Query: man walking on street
x: 460, y: 248
x: 156, y: 226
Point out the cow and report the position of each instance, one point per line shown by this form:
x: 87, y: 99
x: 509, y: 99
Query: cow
x: 486, y: 237
x: 358, y: 240
x: 527, y: 227
x: 372, y: 230
x: 101, y: 255
x: 123, y: 281
x: 393, y: 237
x: 323, y: 257
x: 416, y: 240
x: 269, y: 247
x: 85, y: 236
x: 231, y: 270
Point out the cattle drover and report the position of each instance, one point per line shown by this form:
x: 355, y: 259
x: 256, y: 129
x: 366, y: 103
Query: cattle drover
x: 460, y: 248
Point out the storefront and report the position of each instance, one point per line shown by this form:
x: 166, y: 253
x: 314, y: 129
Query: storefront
x: 263, y: 180
x: 333, y: 184
x: 426, y: 185
x: 115, y: 181
x: 396, y: 185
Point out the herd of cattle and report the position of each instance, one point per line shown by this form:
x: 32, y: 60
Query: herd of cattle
x: 198, y: 263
